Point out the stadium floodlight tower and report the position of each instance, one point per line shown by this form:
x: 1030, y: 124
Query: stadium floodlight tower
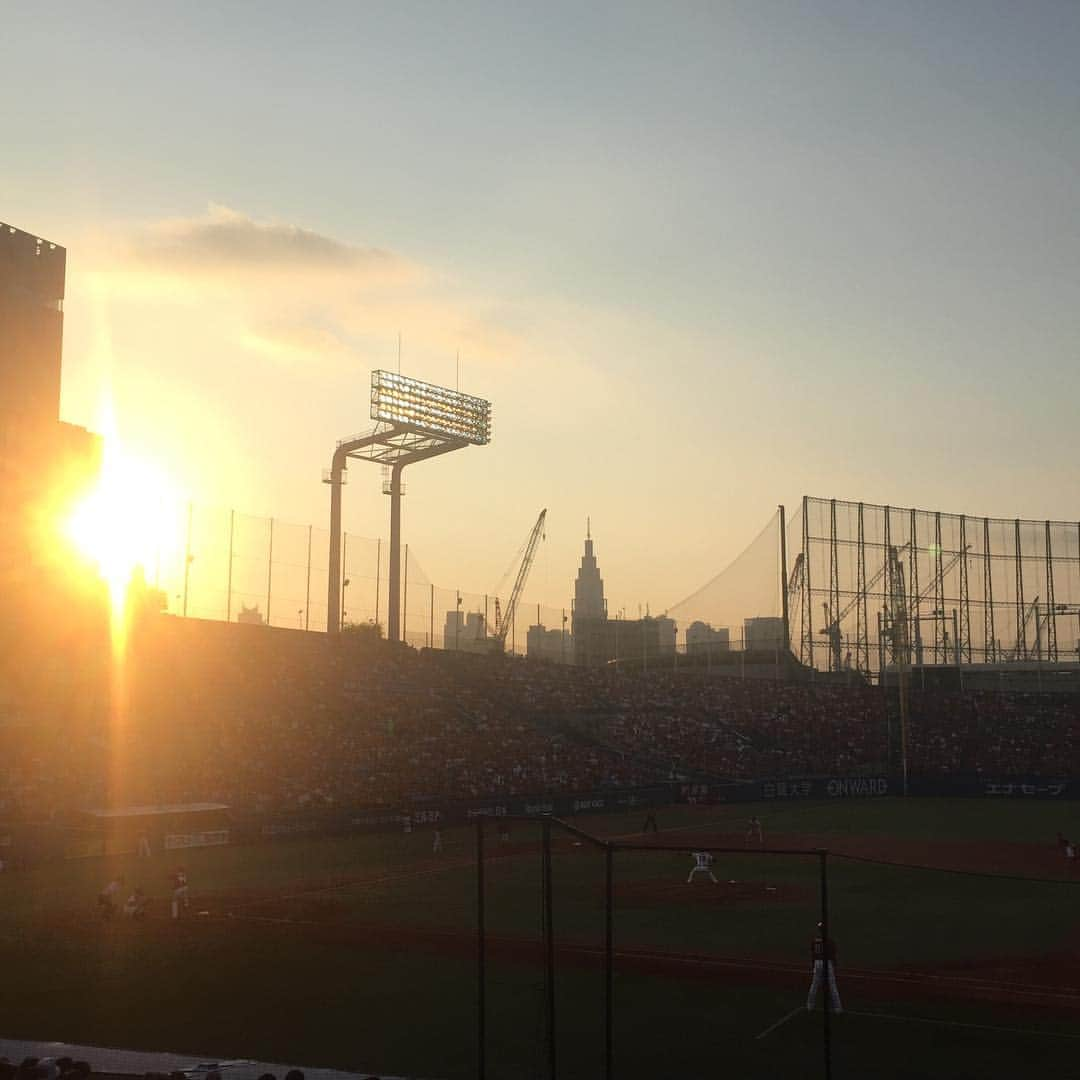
x: 414, y: 421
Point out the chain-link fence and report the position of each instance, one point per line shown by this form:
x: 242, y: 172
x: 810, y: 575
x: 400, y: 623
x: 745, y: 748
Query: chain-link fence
x: 239, y: 567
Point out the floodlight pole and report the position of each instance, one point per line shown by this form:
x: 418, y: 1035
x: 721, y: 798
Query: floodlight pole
x: 333, y: 597
x: 396, y: 445
x: 393, y: 607
x: 415, y: 421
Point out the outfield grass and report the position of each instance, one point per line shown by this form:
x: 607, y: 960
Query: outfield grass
x: 357, y: 952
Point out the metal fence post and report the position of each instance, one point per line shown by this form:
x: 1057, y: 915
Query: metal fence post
x: 307, y: 595
x: 609, y: 960
x: 228, y: 584
x: 481, y: 957
x: 549, y: 947
x: 828, y: 967
x: 269, y: 571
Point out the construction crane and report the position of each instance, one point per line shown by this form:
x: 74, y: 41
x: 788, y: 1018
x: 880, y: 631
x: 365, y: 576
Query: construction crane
x: 896, y: 614
x: 504, y: 618
x: 1021, y: 651
x: 925, y: 595
x: 832, y: 626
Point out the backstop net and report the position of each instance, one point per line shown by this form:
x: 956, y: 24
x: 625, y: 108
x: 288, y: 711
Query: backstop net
x: 965, y: 589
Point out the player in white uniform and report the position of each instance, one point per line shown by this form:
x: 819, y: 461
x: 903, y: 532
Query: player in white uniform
x: 180, y: 891
x: 703, y: 861
x: 436, y: 842
x: 754, y: 831
x: 823, y: 955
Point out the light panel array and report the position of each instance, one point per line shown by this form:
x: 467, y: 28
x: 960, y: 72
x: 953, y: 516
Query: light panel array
x: 400, y: 400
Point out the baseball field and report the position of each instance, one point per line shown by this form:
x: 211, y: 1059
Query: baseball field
x: 955, y: 921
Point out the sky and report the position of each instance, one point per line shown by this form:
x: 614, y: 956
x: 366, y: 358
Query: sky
x: 703, y: 258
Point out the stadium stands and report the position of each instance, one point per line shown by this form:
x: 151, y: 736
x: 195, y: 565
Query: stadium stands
x: 270, y: 720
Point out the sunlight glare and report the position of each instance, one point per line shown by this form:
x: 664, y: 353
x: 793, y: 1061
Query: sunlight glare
x: 128, y: 520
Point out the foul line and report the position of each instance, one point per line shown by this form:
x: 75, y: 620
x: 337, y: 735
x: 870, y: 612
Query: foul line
x: 780, y: 1023
x: 962, y: 1024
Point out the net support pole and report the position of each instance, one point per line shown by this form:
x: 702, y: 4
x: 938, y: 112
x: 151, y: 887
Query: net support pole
x: 307, y: 593
x: 228, y: 573
x: 549, y: 948
x: 609, y: 961
x: 269, y: 571
x: 481, y: 958
x: 784, y: 580
x: 829, y: 969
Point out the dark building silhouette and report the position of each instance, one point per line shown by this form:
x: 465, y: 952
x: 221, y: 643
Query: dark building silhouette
x: 32, y: 321
x: 44, y: 462
x: 598, y: 640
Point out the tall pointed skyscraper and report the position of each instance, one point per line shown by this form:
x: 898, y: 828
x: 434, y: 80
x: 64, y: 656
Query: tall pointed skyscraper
x: 589, y: 600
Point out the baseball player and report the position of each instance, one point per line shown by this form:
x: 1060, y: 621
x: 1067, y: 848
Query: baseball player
x: 436, y: 842
x: 650, y: 821
x: 180, y: 891
x: 823, y: 956
x: 703, y: 861
x: 109, y: 897
x: 754, y: 831
x: 143, y: 847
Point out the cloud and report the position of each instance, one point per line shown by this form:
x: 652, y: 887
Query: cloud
x: 293, y: 297
x: 226, y: 240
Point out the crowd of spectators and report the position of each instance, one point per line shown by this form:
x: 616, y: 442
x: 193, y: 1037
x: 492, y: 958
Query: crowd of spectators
x: 991, y: 733
x: 743, y: 730
x: 274, y: 720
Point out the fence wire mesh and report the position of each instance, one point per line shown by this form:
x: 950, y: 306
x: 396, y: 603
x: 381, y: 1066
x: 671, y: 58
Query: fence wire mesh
x: 970, y: 589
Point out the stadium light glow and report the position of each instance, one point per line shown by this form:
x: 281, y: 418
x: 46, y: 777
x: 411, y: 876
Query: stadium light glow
x: 397, y: 399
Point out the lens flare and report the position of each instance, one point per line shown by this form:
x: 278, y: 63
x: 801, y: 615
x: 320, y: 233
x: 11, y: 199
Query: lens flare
x: 124, y: 522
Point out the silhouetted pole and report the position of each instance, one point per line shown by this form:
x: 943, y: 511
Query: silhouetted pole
x: 336, y: 570
x: 307, y: 600
x: 609, y: 961
x: 269, y: 570
x: 481, y: 957
x: 405, y: 600
x: 549, y: 947
x: 823, y: 857
x: 393, y: 617
x: 228, y: 585
x: 344, y: 578
x: 783, y: 579
x: 378, y: 576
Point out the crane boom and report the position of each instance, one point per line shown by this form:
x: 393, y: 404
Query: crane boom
x: 506, y: 620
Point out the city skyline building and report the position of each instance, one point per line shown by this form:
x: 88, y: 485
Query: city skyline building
x: 589, y: 601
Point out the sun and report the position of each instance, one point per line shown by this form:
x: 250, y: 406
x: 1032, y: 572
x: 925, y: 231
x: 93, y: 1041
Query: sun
x: 125, y: 521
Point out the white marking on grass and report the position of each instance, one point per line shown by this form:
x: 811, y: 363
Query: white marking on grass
x: 964, y: 1024
x: 781, y: 1022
